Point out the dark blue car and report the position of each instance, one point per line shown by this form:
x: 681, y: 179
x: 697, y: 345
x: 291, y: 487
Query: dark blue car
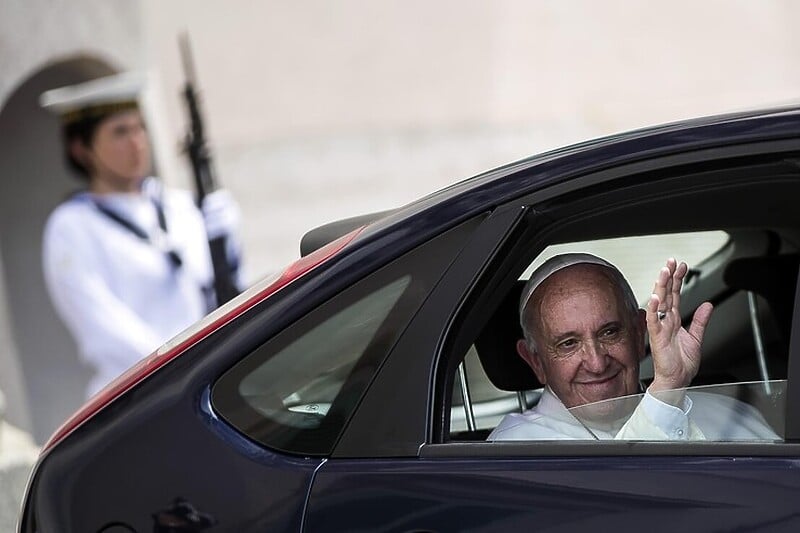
x: 355, y: 391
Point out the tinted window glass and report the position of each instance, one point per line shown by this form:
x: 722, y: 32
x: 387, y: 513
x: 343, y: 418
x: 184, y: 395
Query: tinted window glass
x: 298, y: 384
x: 296, y: 392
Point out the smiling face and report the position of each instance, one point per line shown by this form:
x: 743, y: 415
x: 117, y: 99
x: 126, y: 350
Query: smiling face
x: 587, y: 343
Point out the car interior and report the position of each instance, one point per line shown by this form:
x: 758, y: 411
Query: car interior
x: 751, y: 281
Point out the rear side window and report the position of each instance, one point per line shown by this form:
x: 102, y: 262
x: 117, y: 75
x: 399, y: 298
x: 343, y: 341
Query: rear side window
x: 298, y: 385
x: 296, y: 392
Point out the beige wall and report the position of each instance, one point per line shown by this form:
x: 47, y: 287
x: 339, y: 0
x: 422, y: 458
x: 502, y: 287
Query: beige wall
x: 277, y: 69
x: 324, y: 109
x: 321, y: 110
x: 44, y: 44
x: 38, y: 33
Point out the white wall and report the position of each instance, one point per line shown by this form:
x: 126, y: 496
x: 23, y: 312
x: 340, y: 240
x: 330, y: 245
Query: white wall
x: 37, y: 33
x: 44, y: 44
x: 321, y: 110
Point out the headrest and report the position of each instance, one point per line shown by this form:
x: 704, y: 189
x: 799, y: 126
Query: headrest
x: 497, y: 346
x: 772, y: 277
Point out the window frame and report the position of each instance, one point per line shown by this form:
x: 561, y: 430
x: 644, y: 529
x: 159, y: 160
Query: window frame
x: 424, y: 273
x: 619, y: 183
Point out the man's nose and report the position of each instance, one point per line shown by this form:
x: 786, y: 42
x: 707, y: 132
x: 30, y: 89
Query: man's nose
x: 595, y: 356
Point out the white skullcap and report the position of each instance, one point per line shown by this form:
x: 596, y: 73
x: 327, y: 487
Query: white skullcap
x: 103, y: 95
x: 553, y: 265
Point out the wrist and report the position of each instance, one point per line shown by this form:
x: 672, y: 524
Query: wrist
x: 671, y: 392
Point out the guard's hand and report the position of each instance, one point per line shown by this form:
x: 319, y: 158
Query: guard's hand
x: 676, y: 350
x: 221, y: 214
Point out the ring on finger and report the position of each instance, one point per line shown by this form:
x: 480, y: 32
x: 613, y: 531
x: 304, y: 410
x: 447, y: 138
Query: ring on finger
x: 661, y: 315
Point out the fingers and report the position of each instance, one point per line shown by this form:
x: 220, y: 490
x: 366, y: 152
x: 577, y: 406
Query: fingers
x: 668, y: 286
x: 663, y: 307
x: 668, y: 296
x: 651, y: 314
x: 700, y: 320
x: 665, y: 287
x: 677, y: 283
x: 660, y: 287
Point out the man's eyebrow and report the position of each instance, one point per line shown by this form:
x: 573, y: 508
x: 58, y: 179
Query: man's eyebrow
x: 558, y: 337
x: 563, y: 336
x: 613, y: 323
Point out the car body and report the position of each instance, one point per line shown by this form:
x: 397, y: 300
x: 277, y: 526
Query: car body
x: 333, y: 397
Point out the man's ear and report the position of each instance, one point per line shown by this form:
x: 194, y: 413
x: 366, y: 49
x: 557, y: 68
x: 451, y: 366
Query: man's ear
x: 79, y: 152
x: 532, y: 359
x: 641, y: 325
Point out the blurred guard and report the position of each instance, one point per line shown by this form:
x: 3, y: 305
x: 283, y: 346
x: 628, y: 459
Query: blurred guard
x: 126, y: 261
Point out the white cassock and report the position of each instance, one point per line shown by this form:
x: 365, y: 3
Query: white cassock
x: 122, y: 296
x: 703, y: 416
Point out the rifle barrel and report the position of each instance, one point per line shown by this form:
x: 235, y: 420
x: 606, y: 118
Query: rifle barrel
x: 205, y: 180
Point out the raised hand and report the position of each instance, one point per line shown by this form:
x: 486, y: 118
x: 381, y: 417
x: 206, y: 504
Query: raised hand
x: 676, y: 350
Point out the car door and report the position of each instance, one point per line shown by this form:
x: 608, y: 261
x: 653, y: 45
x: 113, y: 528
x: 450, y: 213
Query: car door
x: 398, y: 469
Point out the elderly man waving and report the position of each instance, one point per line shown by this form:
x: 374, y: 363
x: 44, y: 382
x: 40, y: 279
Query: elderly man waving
x: 584, y: 339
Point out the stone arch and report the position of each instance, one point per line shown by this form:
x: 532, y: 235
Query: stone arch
x: 35, y: 180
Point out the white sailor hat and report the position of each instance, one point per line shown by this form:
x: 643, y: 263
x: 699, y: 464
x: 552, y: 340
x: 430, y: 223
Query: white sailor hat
x: 553, y: 265
x: 98, y: 97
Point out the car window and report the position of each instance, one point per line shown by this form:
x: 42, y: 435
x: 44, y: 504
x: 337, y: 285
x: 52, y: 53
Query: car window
x: 752, y: 411
x: 297, y: 391
x: 746, y: 340
x: 638, y: 257
x: 488, y: 404
x: 294, y: 394
x: 307, y: 375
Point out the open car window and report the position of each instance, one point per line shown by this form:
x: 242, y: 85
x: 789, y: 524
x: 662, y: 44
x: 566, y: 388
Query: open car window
x: 745, y: 350
x: 639, y: 258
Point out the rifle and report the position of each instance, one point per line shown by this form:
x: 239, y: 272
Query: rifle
x: 205, y: 180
